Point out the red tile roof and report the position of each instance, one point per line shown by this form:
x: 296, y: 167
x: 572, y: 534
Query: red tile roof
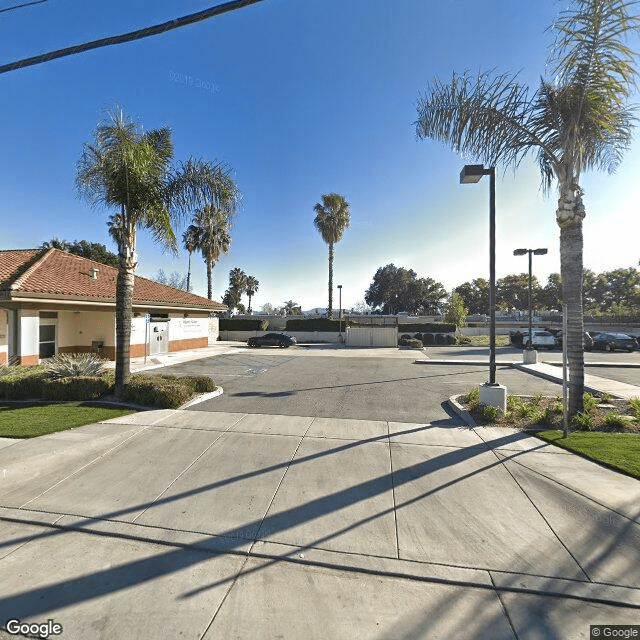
x: 60, y: 274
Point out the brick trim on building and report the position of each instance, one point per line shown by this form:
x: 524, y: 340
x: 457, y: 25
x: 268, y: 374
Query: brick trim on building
x: 190, y: 343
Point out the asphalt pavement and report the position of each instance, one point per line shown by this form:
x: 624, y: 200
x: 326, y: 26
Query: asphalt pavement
x: 228, y: 521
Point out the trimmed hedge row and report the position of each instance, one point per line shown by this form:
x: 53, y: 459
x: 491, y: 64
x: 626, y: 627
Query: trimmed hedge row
x: 314, y: 324
x: 165, y: 392
x: 158, y: 391
x: 429, y: 327
x: 243, y: 324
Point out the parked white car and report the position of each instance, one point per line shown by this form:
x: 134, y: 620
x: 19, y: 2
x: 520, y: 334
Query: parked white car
x: 540, y: 339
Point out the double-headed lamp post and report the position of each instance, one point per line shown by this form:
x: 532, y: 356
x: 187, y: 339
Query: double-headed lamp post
x: 491, y: 393
x: 531, y: 252
x: 340, y: 312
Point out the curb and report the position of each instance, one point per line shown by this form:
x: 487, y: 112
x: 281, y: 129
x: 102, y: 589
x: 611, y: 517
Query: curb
x: 461, y: 412
x: 203, y: 397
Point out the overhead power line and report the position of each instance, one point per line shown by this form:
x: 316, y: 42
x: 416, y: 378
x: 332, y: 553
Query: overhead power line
x: 19, y: 6
x: 132, y: 35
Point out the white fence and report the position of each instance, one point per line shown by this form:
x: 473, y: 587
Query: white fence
x: 372, y: 336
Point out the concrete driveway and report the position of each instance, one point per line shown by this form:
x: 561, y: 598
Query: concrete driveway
x: 202, y: 524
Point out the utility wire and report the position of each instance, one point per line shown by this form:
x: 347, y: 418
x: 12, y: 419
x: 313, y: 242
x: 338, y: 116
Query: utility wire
x: 128, y: 37
x: 19, y: 6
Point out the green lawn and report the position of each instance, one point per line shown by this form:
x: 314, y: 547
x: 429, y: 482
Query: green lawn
x: 618, y: 450
x: 483, y: 341
x: 29, y: 421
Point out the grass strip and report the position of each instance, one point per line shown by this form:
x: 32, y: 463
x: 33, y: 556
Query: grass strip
x: 30, y: 421
x: 620, y: 451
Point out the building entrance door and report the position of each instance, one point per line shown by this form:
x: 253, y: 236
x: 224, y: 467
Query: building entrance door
x: 158, y: 338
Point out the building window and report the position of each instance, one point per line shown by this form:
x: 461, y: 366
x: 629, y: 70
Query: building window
x: 48, y: 314
x: 47, y: 340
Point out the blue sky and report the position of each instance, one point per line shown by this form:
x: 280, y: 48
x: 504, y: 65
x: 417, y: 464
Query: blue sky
x: 302, y: 98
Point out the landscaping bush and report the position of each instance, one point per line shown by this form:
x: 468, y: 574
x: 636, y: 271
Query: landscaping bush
x: 21, y: 382
x: 243, y: 324
x: 451, y: 339
x: 414, y: 344
x: 160, y: 392
x: 199, y: 384
x: 314, y: 324
x: 405, y: 336
x: 429, y: 327
x: 75, y: 365
x: 419, y: 336
x: 74, y: 388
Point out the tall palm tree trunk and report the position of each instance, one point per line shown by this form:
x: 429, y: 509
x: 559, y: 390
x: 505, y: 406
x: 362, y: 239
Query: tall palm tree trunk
x: 330, y: 309
x: 189, y: 274
x: 571, y: 273
x: 124, y: 310
x: 209, y: 278
x: 249, y: 306
x: 569, y: 216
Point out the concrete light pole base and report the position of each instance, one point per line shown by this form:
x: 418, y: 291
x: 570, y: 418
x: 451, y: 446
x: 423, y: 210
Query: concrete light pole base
x: 494, y: 395
x: 529, y: 356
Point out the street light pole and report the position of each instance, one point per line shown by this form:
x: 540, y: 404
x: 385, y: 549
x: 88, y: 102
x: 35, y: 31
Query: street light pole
x: 531, y: 252
x: 340, y: 312
x: 471, y: 173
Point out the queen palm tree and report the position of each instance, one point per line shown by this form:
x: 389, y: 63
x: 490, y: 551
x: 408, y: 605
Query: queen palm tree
x: 214, y: 238
x: 577, y: 122
x: 131, y: 170
x: 251, y: 289
x: 291, y: 308
x: 190, y: 241
x: 332, y: 218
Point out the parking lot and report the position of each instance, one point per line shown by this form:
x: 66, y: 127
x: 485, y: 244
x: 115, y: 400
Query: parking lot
x: 335, y: 386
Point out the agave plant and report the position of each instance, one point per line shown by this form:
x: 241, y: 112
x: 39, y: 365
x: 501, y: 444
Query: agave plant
x: 75, y: 365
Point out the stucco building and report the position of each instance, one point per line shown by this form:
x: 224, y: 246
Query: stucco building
x: 54, y: 302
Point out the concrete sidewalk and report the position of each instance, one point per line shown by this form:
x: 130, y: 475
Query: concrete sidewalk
x: 203, y: 525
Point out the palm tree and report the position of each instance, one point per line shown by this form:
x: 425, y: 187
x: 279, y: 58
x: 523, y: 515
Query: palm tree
x: 290, y: 308
x: 130, y: 169
x: 577, y: 122
x: 190, y: 241
x: 332, y: 218
x: 251, y: 289
x: 214, y: 238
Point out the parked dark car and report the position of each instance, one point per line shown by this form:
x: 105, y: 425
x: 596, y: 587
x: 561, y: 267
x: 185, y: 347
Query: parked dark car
x: 586, y: 339
x: 613, y: 341
x: 281, y: 340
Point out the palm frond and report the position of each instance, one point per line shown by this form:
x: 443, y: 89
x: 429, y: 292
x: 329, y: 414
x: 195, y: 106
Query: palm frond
x: 489, y: 118
x: 332, y: 217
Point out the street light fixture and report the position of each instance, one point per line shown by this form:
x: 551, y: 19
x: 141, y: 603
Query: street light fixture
x: 537, y: 252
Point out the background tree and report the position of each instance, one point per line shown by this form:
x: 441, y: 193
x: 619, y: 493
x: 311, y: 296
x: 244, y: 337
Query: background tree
x: 512, y: 292
x: 90, y: 250
x: 455, y: 311
x: 332, y: 218
x: 578, y: 121
x: 191, y: 242
x: 237, y: 286
x: 551, y: 294
x: 214, y: 238
x: 268, y: 309
x: 395, y: 289
x: 251, y: 290
x: 475, y: 295
x: 291, y: 308
x: 174, y: 279
x: 130, y: 169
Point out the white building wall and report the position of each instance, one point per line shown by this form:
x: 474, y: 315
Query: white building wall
x: 81, y: 328
x: 182, y: 328
x: 4, y: 336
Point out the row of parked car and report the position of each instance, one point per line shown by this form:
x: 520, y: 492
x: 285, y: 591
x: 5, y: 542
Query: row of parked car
x: 605, y: 341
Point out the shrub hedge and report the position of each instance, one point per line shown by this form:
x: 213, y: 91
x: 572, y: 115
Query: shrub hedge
x: 429, y: 327
x: 314, y: 324
x: 160, y: 391
x: 243, y: 324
